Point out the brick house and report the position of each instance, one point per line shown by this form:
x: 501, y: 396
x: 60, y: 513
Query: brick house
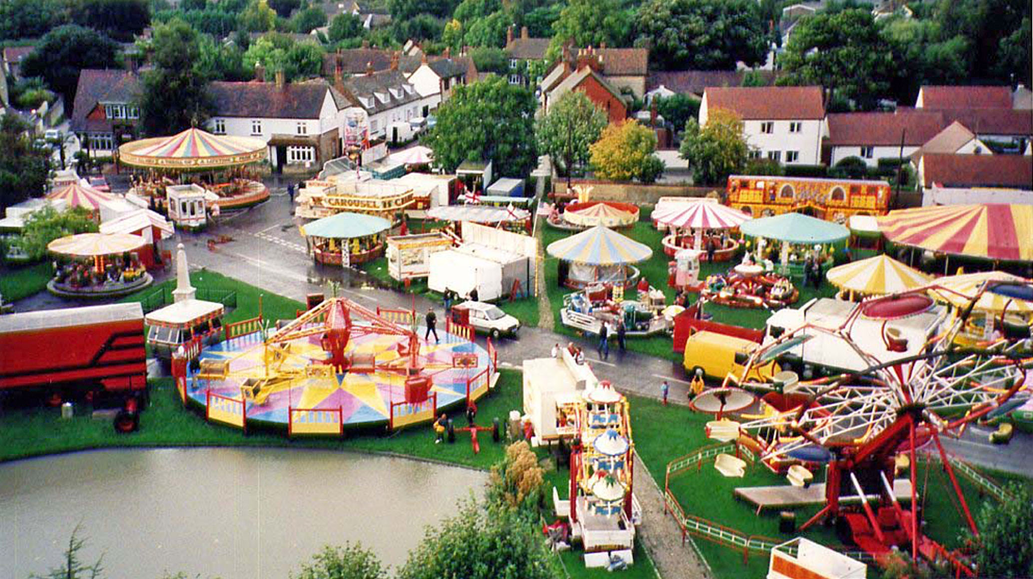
x: 598, y: 89
x: 521, y: 52
x: 625, y: 69
x: 105, y: 114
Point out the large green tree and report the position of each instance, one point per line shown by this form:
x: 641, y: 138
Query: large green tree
x: 175, y: 93
x: 624, y: 152
x: 591, y: 23
x: 490, y: 542
x: 490, y: 120
x: 844, y: 52
x: 678, y: 109
x: 119, y: 19
x: 46, y: 225
x: 406, y: 9
x: 345, y: 26
x: 66, y: 50
x: 352, y: 561
x: 477, y: 23
x: 991, y: 28
x: 30, y: 18
x: 305, y: 21
x: 23, y: 166
x: 923, y: 56
x: 257, y: 17
x: 1004, y: 546
x: 702, y: 34
x: 568, y: 129
x: 297, y: 60
x: 717, y: 150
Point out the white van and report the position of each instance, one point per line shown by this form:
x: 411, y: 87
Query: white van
x: 489, y: 319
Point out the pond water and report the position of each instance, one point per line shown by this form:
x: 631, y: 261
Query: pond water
x: 229, y: 513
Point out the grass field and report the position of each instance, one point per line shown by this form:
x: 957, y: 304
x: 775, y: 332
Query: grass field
x: 22, y: 282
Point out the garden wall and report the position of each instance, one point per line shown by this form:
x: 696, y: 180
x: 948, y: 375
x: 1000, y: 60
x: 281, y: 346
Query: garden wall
x: 636, y: 193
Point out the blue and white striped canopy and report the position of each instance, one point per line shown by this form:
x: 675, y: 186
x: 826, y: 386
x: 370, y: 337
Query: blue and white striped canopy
x: 599, y: 246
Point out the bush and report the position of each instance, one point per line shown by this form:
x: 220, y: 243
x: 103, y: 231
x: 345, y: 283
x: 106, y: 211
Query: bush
x: 806, y: 171
x: 1004, y: 548
x: 764, y: 167
x: 852, y: 167
x: 347, y: 562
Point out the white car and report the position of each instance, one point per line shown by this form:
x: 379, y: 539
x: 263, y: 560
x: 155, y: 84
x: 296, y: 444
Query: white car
x: 490, y: 319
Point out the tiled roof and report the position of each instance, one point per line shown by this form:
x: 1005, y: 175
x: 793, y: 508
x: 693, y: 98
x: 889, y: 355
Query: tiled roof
x: 768, y: 103
x: 379, y: 91
x: 447, y: 68
x: 575, y: 79
x: 1013, y: 171
x: 965, y: 97
x: 883, y: 129
x: 993, y: 121
x: 354, y: 60
x: 696, y: 81
x: 109, y: 86
x: 264, y: 100
x: 527, y: 48
x: 948, y: 141
x: 624, y: 61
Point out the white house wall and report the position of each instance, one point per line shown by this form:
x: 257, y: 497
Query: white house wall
x: 884, y: 152
x: 806, y: 142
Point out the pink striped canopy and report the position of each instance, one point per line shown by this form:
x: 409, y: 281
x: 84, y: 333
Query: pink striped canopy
x: 192, y: 149
x: 78, y: 195
x: 699, y: 214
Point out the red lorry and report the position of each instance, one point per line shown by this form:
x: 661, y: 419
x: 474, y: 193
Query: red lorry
x: 94, y: 352
x: 691, y: 320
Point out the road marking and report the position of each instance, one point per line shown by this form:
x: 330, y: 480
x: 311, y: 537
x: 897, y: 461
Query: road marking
x: 603, y: 362
x: 363, y: 296
x: 671, y: 379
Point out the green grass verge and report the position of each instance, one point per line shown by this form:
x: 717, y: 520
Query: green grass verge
x: 22, y: 282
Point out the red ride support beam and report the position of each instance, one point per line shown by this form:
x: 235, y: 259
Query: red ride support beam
x: 914, y: 493
x: 954, y: 481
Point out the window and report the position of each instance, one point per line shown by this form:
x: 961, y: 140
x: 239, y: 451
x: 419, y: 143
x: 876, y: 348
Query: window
x: 795, y: 127
x: 134, y: 113
x: 513, y: 63
x: 256, y: 127
x: 786, y: 192
x: 219, y: 126
x: 302, y: 128
x: 514, y: 79
x: 775, y: 156
x: 101, y: 142
x: 754, y: 153
x: 373, y: 126
x: 767, y: 127
x: 867, y: 152
x: 838, y: 194
x: 792, y: 156
x: 301, y: 154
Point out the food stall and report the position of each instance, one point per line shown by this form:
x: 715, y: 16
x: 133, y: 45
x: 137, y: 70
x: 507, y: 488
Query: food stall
x: 346, y: 239
x: 408, y: 256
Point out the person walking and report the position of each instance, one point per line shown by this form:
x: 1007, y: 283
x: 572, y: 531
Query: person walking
x: 439, y: 429
x: 290, y: 192
x: 622, y: 331
x: 432, y: 320
x: 665, y: 389
x: 604, y: 342
x: 447, y: 298
x: 816, y: 272
x: 711, y: 249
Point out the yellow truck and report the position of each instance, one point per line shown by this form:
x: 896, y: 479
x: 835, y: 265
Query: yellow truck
x: 719, y: 354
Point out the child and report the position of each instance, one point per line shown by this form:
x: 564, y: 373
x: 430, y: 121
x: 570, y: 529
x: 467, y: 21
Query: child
x: 439, y: 429
x: 665, y: 388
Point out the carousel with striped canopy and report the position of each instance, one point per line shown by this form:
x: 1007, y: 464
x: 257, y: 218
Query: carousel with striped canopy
x: 699, y: 223
x: 875, y: 276
x: 991, y: 231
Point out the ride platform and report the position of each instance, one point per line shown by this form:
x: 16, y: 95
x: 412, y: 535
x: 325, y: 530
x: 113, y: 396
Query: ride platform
x: 789, y: 497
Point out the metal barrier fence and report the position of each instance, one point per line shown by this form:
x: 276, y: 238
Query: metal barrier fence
x: 403, y: 414
x: 315, y: 421
x: 162, y: 297
x: 404, y: 318
x: 227, y: 410
x: 243, y: 328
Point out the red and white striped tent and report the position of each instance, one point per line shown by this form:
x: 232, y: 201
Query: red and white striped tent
x: 699, y: 214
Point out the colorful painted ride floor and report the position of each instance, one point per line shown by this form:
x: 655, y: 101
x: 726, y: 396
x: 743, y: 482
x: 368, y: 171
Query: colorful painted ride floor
x: 364, y: 399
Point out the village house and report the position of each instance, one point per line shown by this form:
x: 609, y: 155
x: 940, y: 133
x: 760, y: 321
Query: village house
x: 381, y: 103
x: 521, y: 52
x: 105, y: 114
x: 784, y: 124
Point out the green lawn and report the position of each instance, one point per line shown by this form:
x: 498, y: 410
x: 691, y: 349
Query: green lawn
x: 22, y: 282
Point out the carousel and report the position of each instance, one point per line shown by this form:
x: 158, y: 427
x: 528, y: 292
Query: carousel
x: 789, y: 240
x: 598, y: 256
x: 999, y: 312
x: 346, y: 239
x: 875, y: 276
x: 98, y: 265
x: 699, y: 224
x: 218, y: 163
x: 579, y: 216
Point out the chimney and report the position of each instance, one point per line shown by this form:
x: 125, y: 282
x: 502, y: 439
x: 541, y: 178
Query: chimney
x: 423, y: 59
x: 394, y: 60
x: 523, y: 33
x: 602, y: 45
x: 259, y: 72
x: 338, y: 73
x: 509, y: 35
x: 369, y: 68
x: 281, y: 79
x: 447, y: 53
x: 131, y: 63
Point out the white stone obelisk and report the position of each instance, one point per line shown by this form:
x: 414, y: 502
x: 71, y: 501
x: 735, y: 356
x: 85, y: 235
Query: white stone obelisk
x: 184, y: 291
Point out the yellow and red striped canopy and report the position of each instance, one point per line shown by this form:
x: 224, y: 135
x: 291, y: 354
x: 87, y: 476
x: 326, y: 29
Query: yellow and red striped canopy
x: 96, y: 244
x: 77, y: 195
x: 192, y: 149
x: 994, y: 231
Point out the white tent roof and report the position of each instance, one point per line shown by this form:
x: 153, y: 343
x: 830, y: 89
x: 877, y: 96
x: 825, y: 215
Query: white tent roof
x: 183, y: 312
x: 137, y: 221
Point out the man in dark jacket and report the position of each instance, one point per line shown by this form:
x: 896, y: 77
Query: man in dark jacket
x: 432, y: 320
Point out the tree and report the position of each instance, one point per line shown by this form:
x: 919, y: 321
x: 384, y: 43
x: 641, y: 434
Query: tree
x: 1003, y: 545
x: 72, y: 566
x: 540, y: 21
x: 257, y: 17
x: 923, y: 56
x: 30, y: 18
x: 418, y: 28
x: 516, y: 482
x: 65, y: 51
x: 490, y: 59
x: 175, y: 94
x: 23, y: 166
x: 590, y: 23
x: 702, y: 34
x: 678, y: 109
x: 351, y: 561
x: 568, y: 129
x: 490, y: 120
x: 345, y: 26
x: 843, y: 52
x: 46, y: 225
x: 625, y: 152
x: 493, y: 542
x: 308, y: 20
x: 1015, y: 54
x: 284, y: 8
x: 477, y: 23
x: 717, y: 150
x: 402, y: 10
x: 986, y: 25
x: 119, y: 19
x: 276, y: 52
x: 220, y: 61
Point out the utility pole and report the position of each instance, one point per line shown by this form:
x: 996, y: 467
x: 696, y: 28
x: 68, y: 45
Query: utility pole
x: 900, y: 167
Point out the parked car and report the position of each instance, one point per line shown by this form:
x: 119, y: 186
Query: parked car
x: 489, y: 319
x: 52, y: 134
x: 100, y: 184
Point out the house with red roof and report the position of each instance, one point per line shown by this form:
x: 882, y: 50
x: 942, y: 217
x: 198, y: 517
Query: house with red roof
x: 964, y: 97
x: 599, y: 91
x: 783, y: 123
x: 880, y: 135
x: 625, y: 69
x: 105, y: 113
x: 976, y: 171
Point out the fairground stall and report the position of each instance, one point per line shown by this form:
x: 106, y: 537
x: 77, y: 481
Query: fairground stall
x: 408, y: 256
x: 830, y: 199
x: 346, y: 239
x: 186, y: 320
x: 147, y: 224
x: 429, y: 190
x: 699, y: 224
x: 98, y: 203
x: 999, y: 232
x: 219, y: 163
x: 98, y: 265
x: 579, y: 216
x: 188, y: 205
x: 598, y: 256
x: 320, y: 198
x: 495, y: 262
x: 787, y: 240
x: 510, y: 218
x: 875, y: 276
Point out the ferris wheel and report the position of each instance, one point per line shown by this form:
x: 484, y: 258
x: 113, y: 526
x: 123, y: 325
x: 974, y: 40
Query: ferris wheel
x: 857, y: 422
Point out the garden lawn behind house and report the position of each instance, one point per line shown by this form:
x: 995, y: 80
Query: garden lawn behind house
x: 21, y: 282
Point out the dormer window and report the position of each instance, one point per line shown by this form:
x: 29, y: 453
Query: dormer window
x: 367, y: 102
x: 382, y: 97
x: 408, y: 88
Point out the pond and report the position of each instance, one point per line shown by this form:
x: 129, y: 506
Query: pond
x: 229, y: 513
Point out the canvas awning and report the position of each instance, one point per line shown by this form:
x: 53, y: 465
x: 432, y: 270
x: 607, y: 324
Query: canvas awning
x: 879, y: 275
x: 346, y: 226
x: 96, y: 244
x: 795, y: 228
x: 192, y: 149
x: 993, y: 231
x: 599, y: 246
x: 699, y: 214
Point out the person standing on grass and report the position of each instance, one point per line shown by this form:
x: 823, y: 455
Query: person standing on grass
x: 604, y: 342
x: 439, y: 429
x: 665, y: 389
x: 622, y: 331
x: 432, y: 321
